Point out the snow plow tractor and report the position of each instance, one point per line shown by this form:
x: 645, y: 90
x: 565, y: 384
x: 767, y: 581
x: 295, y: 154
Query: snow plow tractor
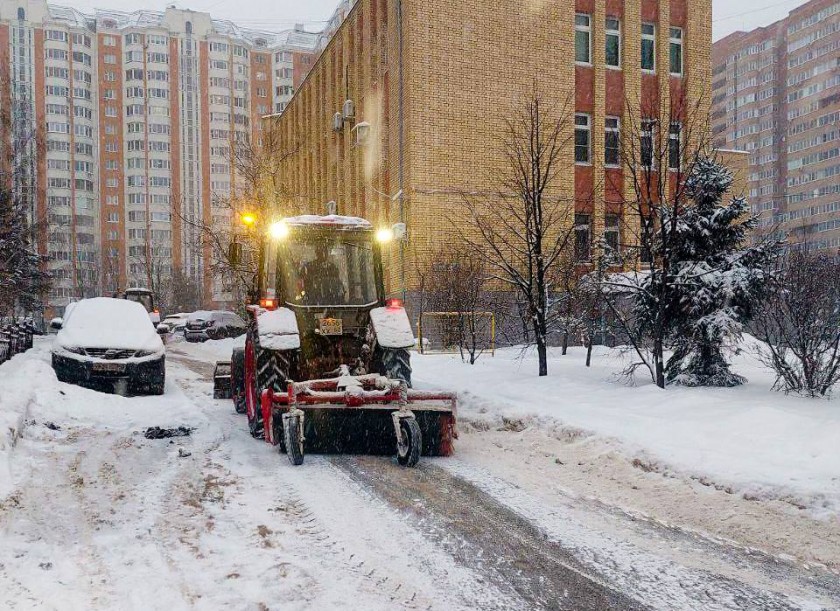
x: 326, y: 366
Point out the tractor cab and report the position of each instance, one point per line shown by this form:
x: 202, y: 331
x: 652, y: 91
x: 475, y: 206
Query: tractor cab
x: 327, y: 270
x: 318, y: 262
x: 144, y: 297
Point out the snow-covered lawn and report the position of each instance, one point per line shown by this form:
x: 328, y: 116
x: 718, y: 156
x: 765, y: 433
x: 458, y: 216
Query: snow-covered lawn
x: 750, y: 440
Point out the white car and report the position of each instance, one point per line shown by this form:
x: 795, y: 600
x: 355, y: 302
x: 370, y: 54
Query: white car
x: 109, y: 340
x: 176, y: 322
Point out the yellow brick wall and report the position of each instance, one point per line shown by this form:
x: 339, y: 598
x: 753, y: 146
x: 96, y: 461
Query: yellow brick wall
x: 465, y: 66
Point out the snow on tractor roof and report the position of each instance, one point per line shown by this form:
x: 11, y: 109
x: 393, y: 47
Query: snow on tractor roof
x: 345, y: 222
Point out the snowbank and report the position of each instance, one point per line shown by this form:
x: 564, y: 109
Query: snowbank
x: 17, y: 389
x: 211, y: 350
x: 750, y: 440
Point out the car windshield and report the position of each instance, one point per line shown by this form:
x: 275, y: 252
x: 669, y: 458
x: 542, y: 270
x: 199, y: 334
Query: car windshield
x: 327, y: 271
x: 144, y: 299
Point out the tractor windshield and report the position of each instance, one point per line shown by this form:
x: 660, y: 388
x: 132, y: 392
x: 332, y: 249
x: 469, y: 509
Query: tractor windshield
x: 143, y: 298
x: 329, y: 270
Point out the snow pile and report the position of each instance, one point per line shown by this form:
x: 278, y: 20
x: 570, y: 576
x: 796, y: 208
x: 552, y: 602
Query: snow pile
x: 278, y: 329
x: 350, y: 222
x: 17, y: 390
x: 212, y: 350
x: 750, y: 440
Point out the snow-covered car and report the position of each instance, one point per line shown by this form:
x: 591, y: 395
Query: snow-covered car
x: 109, y: 340
x: 176, y: 322
x: 215, y: 324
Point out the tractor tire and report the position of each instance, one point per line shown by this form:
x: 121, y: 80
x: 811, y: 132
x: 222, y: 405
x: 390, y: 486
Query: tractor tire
x: 272, y: 369
x: 408, y: 455
x: 237, y: 380
x: 292, y: 439
x: 394, y: 364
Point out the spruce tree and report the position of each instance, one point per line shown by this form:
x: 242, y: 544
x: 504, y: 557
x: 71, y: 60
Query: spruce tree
x: 719, y: 278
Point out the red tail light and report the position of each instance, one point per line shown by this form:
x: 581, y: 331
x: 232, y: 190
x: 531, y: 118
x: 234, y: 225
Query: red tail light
x: 394, y: 303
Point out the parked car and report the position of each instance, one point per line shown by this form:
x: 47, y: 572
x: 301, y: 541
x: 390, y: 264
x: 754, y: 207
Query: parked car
x: 176, y: 322
x: 216, y: 324
x: 109, y: 340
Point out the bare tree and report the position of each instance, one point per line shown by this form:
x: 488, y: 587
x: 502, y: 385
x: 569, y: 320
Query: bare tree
x: 238, y: 251
x: 455, y: 285
x: 800, y: 324
x: 521, y: 230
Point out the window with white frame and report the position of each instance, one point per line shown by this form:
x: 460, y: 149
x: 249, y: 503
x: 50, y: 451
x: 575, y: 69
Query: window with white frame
x: 675, y: 146
x: 649, y: 47
x: 676, y: 51
x: 646, y: 142
x: 583, y: 38
x: 612, y: 141
x: 583, y: 138
x: 613, y: 42
x: 583, y: 237
x: 612, y: 236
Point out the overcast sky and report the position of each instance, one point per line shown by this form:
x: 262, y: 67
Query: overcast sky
x: 729, y: 15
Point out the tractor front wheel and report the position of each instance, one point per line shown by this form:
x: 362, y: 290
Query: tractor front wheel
x: 408, y: 452
x: 293, y: 437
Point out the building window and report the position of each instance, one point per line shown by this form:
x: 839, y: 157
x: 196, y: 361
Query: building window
x: 613, y: 42
x: 583, y: 39
x: 612, y: 236
x: 676, y: 42
x: 646, y: 142
x: 674, y: 146
x: 649, y: 47
x: 583, y: 138
x: 583, y: 233
x: 113, y: 217
x: 612, y: 141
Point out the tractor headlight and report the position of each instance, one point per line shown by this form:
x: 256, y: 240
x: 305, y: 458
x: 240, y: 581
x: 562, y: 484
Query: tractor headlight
x: 278, y: 230
x: 384, y: 235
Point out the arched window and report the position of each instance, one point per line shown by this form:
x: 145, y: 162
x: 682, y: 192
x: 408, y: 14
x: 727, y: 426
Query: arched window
x: 21, y: 14
x: 189, y: 27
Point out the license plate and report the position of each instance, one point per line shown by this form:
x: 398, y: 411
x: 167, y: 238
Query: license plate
x: 331, y: 326
x: 108, y: 367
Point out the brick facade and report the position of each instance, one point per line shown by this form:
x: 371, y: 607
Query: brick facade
x: 433, y: 78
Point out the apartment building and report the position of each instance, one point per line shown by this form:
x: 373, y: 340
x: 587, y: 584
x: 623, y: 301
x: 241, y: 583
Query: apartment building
x: 429, y: 83
x: 776, y: 95
x: 133, y: 116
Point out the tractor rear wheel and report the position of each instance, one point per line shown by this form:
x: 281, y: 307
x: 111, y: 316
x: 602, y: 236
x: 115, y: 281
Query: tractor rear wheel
x: 408, y: 452
x: 253, y: 391
x: 293, y: 438
x: 394, y: 364
x: 237, y: 380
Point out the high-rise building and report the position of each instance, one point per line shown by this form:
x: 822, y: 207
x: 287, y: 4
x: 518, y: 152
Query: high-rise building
x: 776, y: 95
x: 127, y: 121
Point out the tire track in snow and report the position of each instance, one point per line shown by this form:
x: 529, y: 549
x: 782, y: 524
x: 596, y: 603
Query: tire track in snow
x: 352, y: 541
x: 480, y: 533
x: 656, y: 580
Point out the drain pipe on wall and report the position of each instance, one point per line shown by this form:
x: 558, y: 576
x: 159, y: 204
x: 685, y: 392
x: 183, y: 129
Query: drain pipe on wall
x: 400, y: 146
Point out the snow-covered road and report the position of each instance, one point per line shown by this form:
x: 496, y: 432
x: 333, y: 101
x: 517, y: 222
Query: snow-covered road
x: 98, y: 517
